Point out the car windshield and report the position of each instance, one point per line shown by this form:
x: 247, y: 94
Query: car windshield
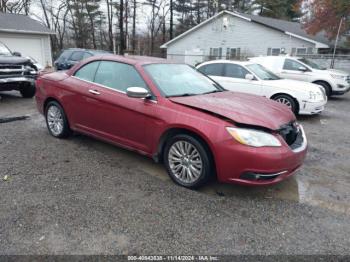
x: 180, y: 80
x: 262, y: 72
x: 4, y: 50
x: 310, y: 63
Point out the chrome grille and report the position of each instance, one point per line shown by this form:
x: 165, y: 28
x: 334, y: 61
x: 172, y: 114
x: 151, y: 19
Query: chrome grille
x: 11, y: 70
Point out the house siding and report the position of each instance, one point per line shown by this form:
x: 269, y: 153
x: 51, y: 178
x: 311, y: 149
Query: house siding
x: 253, y: 40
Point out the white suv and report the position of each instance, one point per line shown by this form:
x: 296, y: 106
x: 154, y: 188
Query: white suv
x: 247, y: 77
x: 335, y: 82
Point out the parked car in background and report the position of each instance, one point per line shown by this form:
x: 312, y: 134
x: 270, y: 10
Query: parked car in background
x: 252, y: 78
x: 16, y: 72
x: 176, y: 115
x: 70, y: 57
x: 335, y: 82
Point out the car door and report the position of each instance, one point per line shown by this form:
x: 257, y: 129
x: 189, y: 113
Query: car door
x: 294, y: 70
x: 114, y: 115
x: 234, y: 79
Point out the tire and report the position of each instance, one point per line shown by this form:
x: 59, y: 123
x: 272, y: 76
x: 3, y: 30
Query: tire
x: 326, y: 87
x: 56, y: 120
x: 184, y: 169
x: 27, y: 90
x: 288, y: 101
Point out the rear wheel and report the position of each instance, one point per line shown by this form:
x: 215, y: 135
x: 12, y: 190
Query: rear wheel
x: 187, y: 161
x: 27, y: 90
x: 56, y: 120
x: 287, y: 101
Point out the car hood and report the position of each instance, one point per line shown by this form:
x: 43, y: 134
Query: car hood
x: 293, y: 85
x: 333, y: 71
x: 15, y: 60
x: 241, y: 108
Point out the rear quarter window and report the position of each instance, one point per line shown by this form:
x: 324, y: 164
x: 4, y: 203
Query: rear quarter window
x: 88, y: 71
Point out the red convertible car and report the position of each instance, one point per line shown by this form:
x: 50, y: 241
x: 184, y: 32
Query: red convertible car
x: 176, y: 115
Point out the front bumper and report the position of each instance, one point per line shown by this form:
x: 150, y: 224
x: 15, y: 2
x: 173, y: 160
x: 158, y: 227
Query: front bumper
x: 272, y: 164
x: 341, y: 91
x: 18, y: 79
x: 311, y: 108
x: 16, y: 83
x: 340, y: 87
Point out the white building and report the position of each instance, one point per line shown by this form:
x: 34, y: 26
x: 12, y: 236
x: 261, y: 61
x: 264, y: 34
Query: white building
x: 233, y: 35
x: 27, y: 36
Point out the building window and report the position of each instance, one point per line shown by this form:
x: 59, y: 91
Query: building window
x: 301, y: 51
x: 273, y: 51
x: 215, y: 53
x: 310, y: 50
x: 233, y: 53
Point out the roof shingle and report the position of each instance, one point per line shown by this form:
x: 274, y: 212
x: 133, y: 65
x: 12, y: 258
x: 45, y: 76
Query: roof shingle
x: 22, y: 23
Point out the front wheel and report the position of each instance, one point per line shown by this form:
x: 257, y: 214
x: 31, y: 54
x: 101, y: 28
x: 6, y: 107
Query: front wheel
x: 56, y: 120
x: 287, y: 101
x: 327, y: 88
x: 188, y: 161
x: 27, y: 90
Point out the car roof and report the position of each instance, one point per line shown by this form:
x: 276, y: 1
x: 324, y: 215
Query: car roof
x: 134, y: 60
x: 222, y: 61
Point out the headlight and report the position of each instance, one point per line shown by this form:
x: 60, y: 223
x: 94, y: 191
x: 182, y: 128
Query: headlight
x: 316, y: 95
x: 340, y: 77
x: 253, y: 138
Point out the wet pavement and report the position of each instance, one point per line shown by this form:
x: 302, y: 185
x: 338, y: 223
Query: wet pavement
x: 83, y: 196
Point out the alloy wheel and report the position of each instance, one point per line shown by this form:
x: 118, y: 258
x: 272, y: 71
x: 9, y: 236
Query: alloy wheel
x: 185, y: 162
x: 285, y: 102
x: 55, y: 120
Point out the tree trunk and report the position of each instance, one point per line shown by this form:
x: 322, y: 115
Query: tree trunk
x: 121, y: 27
x: 171, y: 19
x: 134, y: 28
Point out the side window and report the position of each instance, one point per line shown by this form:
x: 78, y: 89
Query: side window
x: 87, y: 55
x: 235, y: 71
x: 76, y: 56
x: 64, y: 56
x: 290, y: 64
x: 87, y: 72
x: 212, y: 69
x: 118, y: 76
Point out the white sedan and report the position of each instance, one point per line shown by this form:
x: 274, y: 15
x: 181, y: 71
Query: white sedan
x: 248, y: 77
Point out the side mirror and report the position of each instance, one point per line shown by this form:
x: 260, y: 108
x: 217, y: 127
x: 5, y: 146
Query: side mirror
x: 249, y: 77
x: 16, y: 53
x: 137, y: 92
x: 302, y: 69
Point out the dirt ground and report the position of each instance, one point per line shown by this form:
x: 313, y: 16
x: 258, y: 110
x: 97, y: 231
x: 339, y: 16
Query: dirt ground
x: 83, y: 196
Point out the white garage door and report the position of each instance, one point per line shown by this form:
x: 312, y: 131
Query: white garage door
x: 26, y: 45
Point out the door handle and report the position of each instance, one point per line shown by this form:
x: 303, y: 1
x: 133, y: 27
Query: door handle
x: 94, y: 92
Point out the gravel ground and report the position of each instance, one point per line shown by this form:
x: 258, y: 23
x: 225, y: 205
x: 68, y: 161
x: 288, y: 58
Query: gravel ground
x: 82, y: 196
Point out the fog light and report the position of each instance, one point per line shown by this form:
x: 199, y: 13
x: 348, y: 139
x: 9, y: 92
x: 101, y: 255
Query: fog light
x: 259, y: 176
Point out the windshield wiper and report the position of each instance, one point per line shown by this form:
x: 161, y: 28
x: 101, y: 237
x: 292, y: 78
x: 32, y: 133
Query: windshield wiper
x: 214, y: 91
x: 185, y: 94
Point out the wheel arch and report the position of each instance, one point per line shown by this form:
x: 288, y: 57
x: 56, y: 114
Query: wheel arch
x: 172, y: 131
x: 51, y: 99
x: 324, y: 82
x: 290, y: 95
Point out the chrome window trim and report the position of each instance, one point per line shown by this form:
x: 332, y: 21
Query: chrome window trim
x: 109, y: 88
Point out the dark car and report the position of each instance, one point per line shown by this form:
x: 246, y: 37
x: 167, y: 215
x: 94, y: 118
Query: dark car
x: 69, y: 57
x: 176, y: 115
x: 16, y: 72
